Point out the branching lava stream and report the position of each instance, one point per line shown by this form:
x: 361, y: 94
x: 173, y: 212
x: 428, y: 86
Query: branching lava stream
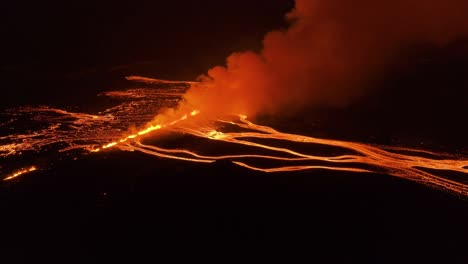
x: 75, y: 134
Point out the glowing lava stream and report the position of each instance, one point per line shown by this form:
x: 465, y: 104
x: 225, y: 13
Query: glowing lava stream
x: 372, y: 158
x: 145, y: 131
x: 19, y: 173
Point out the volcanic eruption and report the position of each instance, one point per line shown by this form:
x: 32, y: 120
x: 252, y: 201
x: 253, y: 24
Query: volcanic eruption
x: 331, y: 54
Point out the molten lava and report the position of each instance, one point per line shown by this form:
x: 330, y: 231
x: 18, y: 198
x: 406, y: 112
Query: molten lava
x: 361, y: 157
x: 145, y: 131
x: 42, y: 130
x: 19, y: 173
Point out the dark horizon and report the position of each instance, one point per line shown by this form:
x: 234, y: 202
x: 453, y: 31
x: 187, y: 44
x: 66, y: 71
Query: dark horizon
x: 74, y: 37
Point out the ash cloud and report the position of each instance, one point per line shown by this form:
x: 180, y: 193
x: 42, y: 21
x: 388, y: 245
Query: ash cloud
x: 329, y: 55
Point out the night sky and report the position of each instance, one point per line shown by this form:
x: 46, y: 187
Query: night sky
x: 178, y: 39
x: 54, y: 52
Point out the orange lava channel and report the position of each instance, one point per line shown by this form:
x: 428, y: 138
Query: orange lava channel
x: 19, y: 173
x: 364, y: 158
x: 145, y: 131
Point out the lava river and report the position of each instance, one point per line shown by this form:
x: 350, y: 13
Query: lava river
x: 31, y: 131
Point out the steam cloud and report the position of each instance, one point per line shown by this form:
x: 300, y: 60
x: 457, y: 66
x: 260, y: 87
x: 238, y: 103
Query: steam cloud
x: 330, y: 51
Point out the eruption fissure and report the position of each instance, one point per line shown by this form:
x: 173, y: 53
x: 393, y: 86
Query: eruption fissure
x: 145, y: 131
x: 19, y: 173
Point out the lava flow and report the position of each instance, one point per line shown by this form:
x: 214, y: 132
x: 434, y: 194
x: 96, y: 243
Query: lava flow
x: 355, y: 157
x: 145, y: 131
x: 19, y: 173
x: 43, y: 131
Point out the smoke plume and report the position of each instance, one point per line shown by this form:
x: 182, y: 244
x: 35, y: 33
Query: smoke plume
x: 329, y: 54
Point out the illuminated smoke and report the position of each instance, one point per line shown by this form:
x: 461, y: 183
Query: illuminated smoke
x: 329, y: 55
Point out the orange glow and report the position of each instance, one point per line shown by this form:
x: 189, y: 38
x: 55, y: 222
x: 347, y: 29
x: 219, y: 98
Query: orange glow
x: 19, y: 173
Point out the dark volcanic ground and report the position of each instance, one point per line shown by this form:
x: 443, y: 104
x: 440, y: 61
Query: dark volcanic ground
x: 131, y: 208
